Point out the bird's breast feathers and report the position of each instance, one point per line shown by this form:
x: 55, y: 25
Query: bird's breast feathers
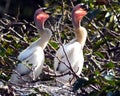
x: 73, y: 52
x: 28, y: 52
x: 32, y: 57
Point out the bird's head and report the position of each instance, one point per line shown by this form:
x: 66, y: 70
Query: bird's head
x: 78, y: 12
x: 40, y: 15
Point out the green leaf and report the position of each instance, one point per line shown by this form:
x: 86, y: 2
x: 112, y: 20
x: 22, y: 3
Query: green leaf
x: 99, y: 54
x: 9, y: 50
x: 53, y: 44
x: 63, y: 35
x: 110, y: 65
x: 2, y: 51
x: 97, y: 73
x: 99, y: 43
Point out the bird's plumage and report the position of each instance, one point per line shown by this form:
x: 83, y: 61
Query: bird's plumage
x: 30, y: 67
x: 32, y: 58
x: 69, y: 57
x: 73, y: 52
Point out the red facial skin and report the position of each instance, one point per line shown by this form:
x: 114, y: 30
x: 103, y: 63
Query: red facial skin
x: 77, y: 14
x: 40, y: 17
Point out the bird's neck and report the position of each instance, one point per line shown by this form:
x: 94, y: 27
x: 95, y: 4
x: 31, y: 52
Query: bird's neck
x: 80, y: 32
x: 45, y: 37
x: 81, y: 35
x: 40, y: 25
x: 44, y: 33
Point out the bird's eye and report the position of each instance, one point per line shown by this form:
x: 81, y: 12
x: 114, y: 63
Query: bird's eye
x: 85, y: 7
x: 44, y: 9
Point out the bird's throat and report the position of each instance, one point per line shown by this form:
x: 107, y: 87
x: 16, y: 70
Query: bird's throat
x: 81, y: 35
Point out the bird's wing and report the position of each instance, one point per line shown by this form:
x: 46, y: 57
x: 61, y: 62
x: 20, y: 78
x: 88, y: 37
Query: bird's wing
x: 74, y: 57
x: 26, y: 53
x: 58, y: 58
x: 37, y: 60
x: 31, y: 61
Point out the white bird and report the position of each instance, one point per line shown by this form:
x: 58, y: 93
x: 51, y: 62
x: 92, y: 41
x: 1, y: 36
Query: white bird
x: 71, y: 54
x: 32, y: 58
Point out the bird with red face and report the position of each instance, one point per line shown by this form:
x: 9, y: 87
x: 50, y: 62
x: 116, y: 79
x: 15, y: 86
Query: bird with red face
x: 69, y: 57
x: 32, y: 58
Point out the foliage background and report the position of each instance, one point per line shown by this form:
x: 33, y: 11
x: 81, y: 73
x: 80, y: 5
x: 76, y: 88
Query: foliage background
x: 101, y: 52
